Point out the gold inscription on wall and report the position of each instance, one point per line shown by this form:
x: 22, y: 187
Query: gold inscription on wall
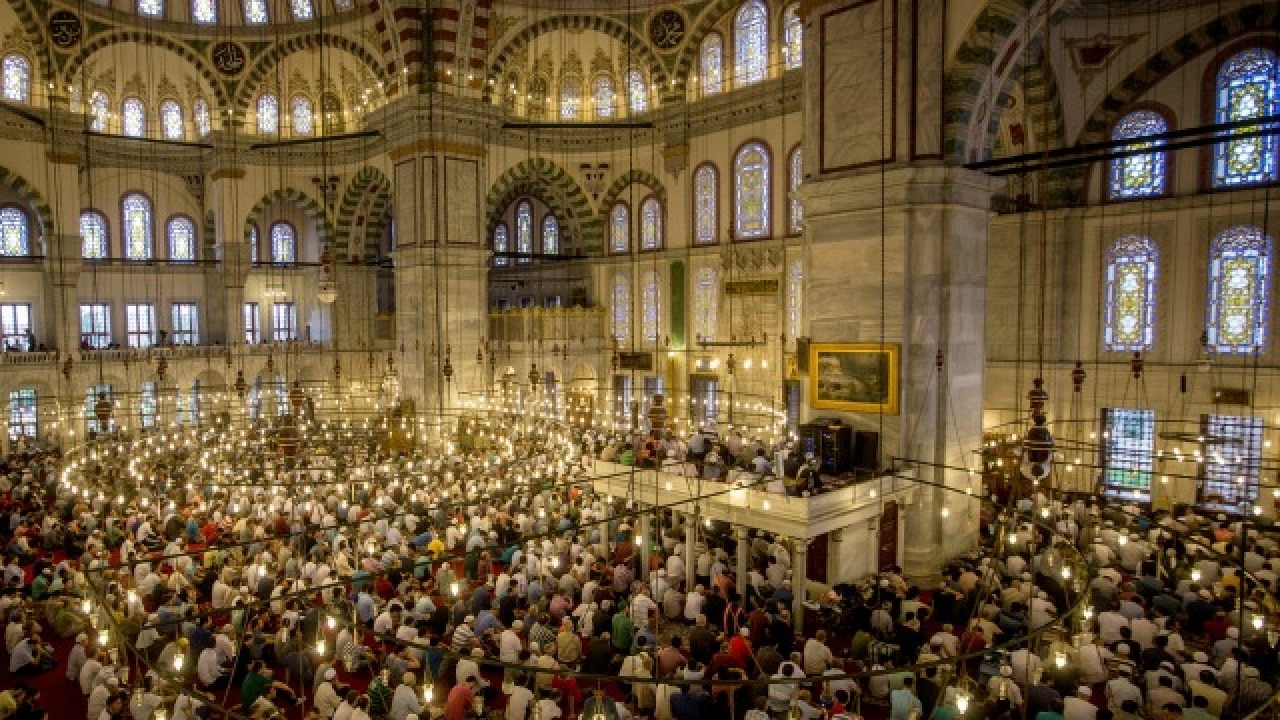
x: 751, y: 287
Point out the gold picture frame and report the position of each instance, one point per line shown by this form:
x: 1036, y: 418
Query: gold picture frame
x: 851, y: 377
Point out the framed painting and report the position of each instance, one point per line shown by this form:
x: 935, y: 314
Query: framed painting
x: 855, y: 377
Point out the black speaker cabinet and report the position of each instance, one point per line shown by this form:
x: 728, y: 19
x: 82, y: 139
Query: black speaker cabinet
x: 831, y: 442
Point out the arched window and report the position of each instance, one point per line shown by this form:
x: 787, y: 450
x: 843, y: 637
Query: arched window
x: 621, y: 307
x: 1239, y: 290
x: 284, y: 244
x: 253, y: 241
x: 604, y: 96
x: 751, y: 43
x: 99, y: 110
x: 1138, y: 176
x: 93, y: 236
x: 171, y: 120
x: 795, y: 176
x: 651, y: 306
x: 302, y: 116
x: 550, y: 235
x: 792, y: 38
x: 1246, y: 89
x: 795, y: 297
x: 706, y: 304
x: 302, y: 9
x: 134, y: 117
x: 706, y: 204
x: 136, y: 212
x: 751, y: 192
x: 1129, y: 301
x: 182, y: 239
x: 204, y: 121
x: 711, y: 64
x: 570, y: 98
x: 15, y: 239
x: 204, y: 11
x: 637, y: 92
x: 650, y: 224
x: 343, y: 5
x: 501, y: 246
x: 620, y: 228
x: 151, y: 8
x: 268, y: 114
x: 17, y: 78
x: 524, y: 232
x: 255, y: 12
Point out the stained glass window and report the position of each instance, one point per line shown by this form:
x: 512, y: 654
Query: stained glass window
x: 151, y: 8
x: 524, y: 232
x: 302, y: 117
x: 204, y: 11
x: 620, y: 228
x: 706, y: 204
x: 255, y: 12
x: 137, y: 227
x: 795, y: 176
x: 604, y: 96
x: 268, y: 114
x: 651, y: 306
x: 75, y: 99
x: 792, y: 38
x: 204, y: 122
x: 182, y: 239
x: 637, y: 92
x: 91, y: 398
x: 253, y: 244
x: 17, y: 78
x: 1232, y: 462
x: 1129, y: 300
x: 795, y: 298
x: 134, y: 117
x: 706, y: 304
x: 570, y: 99
x: 650, y: 224
x: 284, y: 243
x: 751, y: 43
x: 171, y: 120
x: 621, y: 307
x: 751, y: 192
x: 1139, y: 175
x: 93, y: 235
x: 1239, y: 290
x: 1246, y: 89
x: 501, y: 246
x: 302, y: 9
x: 99, y: 108
x: 1129, y: 444
x: 550, y: 235
x: 23, y: 416
x: 15, y: 239
x: 711, y: 64
x: 343, y: 5
x: 148, y: 406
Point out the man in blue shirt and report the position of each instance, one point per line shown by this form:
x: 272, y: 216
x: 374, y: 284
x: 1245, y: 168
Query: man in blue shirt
x: 903, y: 701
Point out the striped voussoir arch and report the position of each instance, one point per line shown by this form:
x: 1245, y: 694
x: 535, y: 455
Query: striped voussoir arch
x: 547, y: 181
x: 615, y: 29
x: 253, y: 79
x: 688, y: 58
x: 304, y: 202
x: 32, y: 27
x: 28, y: 192
x: 632, y: 177
x: 368, y: 181
x: 202, y: 66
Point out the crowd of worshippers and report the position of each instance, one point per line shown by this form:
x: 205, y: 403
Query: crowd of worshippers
x: 528, y: 599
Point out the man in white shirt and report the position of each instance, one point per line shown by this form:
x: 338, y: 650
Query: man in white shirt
x: 1093, y: 661
x: 817, y: 656
x: 1079, y: 707
x: 518, y: 702
x: 326, y: 699
x: 209, y: 670
x: 406, y: 700
x: 693, y: 603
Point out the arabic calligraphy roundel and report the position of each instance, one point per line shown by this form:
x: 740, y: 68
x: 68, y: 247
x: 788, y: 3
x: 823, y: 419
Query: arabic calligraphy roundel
x: 666, y: 29
x: 65, y: 28
x: 228, y: 58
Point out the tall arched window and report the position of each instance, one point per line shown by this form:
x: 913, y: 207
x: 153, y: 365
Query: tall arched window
x: 570, y: 98
x: 621, y: 307
x: 751, y: 43
x: 15, y: 236
x: 204, y: 11
x: 284, y: 244
x: 302, y: 9
x: 302, y: 115
x: 795, y: 176
x: 151, y: 8
x: 706, y: 204
x: 136, y: 213
x: 203, y: 120
x: 751, y: 192
x: 792, y: 38
x: 171, y: 120
x: 99, y: 111
x: 93, y: 236
x: 1138, y: 176
x: 711, y: 64
x: 1239, y: 290
x: 524, y: 232
x: 604, y: 96
x: 255, y: 12
x: 17, y: 78
x: 620, y: 228
x: 651, y: 306
x: 501, y: 246
x: 637, y: 92
x: 182, y: 239
x: 1246, y: 89
x: 254, y: 242
x: 795, y: 297
x: 268, y: 114
x: 706, y: 304
x: 1129, y: 299
x: 134, y: 117
x: 650, y: 224
x: 550, y: 235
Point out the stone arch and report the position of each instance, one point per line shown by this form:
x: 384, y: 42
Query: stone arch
x: 202, y: 67
x: 253, y: 78
x: 633, y: 177
x: 311, y: 209
x: 703, y: 26
x: 43, y: 213
x: 367, y: 181
x: 615, y: 29
x: 553, y: 185
x: 33, y: 31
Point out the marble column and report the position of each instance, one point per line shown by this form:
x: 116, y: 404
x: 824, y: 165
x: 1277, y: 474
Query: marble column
x: 799, y: 580
x: 690, y: 539
x: 741, y: 532
x: 835, y: 549
x: 644, y: 530
x: 234, y: 252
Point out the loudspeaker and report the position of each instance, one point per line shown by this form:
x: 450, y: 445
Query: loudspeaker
x: 802, y: 355
x: 866, y: 450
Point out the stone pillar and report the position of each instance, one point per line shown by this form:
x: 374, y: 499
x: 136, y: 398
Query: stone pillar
x: 233, y: 250
x: 644, y: 530
x: 690, y: 538
x: 835, y: 542
x: 799, y: 580
x: 741, y: 532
